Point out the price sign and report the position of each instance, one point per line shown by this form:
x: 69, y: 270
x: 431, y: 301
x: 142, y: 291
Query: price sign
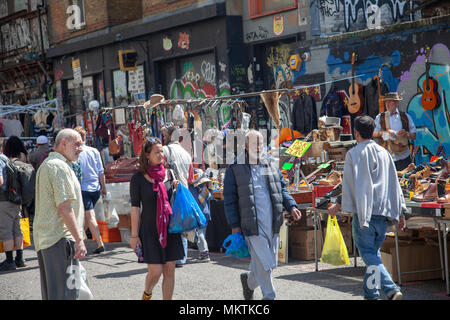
x: 298, y: 148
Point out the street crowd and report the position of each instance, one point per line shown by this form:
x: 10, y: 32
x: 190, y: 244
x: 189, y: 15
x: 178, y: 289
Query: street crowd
x: 70, y: 180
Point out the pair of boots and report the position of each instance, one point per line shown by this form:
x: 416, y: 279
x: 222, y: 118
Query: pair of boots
x: 9, y: 264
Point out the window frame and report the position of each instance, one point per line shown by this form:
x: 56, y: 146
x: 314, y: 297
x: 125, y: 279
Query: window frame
x: 255, y: 9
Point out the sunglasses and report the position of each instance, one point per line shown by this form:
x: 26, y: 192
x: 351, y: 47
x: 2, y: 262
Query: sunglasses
x: 151, y: 141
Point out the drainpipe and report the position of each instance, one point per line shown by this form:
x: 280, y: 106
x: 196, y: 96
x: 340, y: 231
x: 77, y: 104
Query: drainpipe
x: 43, y: 7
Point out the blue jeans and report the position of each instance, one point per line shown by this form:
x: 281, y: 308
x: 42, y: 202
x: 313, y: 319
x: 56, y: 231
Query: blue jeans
x: 185, y: 247
x: 369, y: 242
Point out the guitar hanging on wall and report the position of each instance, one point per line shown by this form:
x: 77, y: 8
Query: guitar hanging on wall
x: 430, y: 95
x: 381, y: 108
x: 356, y: 99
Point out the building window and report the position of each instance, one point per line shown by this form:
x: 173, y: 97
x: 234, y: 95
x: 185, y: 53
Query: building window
x: 259, y: 8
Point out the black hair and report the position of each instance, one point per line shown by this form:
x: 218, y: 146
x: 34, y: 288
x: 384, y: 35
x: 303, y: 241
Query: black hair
x: 365, y: 125
x: 14, y: 146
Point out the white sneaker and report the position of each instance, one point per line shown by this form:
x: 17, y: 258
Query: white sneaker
x: 396, y: 296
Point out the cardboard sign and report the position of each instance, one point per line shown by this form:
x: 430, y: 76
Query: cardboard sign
x: 298, y: 148
x: 287, y: 166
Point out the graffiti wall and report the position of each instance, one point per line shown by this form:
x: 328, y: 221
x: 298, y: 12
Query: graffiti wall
x: 401, y: 60
x: 335, y: 16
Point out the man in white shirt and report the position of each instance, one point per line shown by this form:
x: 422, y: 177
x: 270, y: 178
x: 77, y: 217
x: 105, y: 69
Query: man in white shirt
x: 371, y: 191
x: 395, y: 128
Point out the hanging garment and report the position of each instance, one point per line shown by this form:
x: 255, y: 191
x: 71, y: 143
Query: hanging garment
x: 332, y: 105
x: 371, y: 106
x: 12, y: 127
x: 304, y: 115
x: 271, y: 102
x: 136, y: 134
x: 101, y: 128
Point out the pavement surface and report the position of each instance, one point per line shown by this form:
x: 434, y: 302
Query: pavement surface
x: 116, y: 275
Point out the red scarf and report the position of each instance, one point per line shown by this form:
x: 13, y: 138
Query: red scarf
x: 163, y: 209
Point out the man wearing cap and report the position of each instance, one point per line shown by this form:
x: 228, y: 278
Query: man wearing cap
x: 35, y: 157
x: 395, y: 128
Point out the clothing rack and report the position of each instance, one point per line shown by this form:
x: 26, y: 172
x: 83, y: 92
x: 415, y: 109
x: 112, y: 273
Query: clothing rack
x: 32, y: 108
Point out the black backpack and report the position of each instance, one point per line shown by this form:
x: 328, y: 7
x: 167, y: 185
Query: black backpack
x: 20, y: 181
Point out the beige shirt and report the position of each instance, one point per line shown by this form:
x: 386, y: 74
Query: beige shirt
x: 56, y: 183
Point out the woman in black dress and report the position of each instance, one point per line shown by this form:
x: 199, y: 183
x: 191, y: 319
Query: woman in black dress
x: 152, y: 187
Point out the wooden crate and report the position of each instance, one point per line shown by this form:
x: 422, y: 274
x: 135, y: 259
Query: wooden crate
x: 303, y: 196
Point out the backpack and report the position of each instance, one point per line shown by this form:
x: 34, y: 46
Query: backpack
x: 20, y: 181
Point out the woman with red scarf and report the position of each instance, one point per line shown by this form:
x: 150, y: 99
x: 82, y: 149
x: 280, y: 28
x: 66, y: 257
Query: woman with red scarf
x: 152, y: 186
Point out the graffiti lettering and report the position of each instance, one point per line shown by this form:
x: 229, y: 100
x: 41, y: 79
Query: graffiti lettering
x: 259, y: 34
x: 328, y: 8
x: 208, y: 71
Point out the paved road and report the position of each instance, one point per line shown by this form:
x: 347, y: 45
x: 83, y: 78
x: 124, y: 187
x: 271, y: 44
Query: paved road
x: 115, y: 275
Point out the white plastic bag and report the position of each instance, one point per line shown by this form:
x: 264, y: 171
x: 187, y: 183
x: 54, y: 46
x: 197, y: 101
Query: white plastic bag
x: 178, y: 117
x: 111, y: 216
x: 99, y: 210
x: 85, y: 293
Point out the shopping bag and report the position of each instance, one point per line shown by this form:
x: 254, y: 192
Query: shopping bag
x: 111, y: 216
x: 235, y: 246
x: 25, y: 227
x: 334, y: 251
x: 186, y: 214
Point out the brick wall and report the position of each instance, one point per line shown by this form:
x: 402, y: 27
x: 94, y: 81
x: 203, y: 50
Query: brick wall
x: 153, y: 7
x: 99, y: 14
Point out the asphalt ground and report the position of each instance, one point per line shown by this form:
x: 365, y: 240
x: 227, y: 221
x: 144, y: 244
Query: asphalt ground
x: 116, y: 275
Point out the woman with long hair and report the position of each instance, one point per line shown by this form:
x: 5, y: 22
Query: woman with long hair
x: 15, y: 148
x: 152, y: 186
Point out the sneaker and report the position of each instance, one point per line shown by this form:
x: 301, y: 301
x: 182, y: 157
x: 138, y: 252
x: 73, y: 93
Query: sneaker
x: 333, y: 179
x: 99, y: 250
x: 20, y: 263
x: 204, y: 257
x: 5, y: 266
x: 248, y: 294
x: 334, y: 192
x: 179, y: 265
x: 396, y: 296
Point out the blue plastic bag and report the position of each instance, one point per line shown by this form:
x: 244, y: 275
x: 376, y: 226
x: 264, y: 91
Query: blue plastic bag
x: 235, y: 246
x: 186, y: 214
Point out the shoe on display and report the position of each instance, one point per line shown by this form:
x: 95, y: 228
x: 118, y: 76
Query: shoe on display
x: 429, y: 196
x: 248, y: 293
x: 417, y: 169
x: 410, y: 167
x: 333, y: 179
x: 335, y: 192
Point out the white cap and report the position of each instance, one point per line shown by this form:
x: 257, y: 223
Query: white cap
x: 42, y: 140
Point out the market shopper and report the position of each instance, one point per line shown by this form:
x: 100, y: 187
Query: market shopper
x: 93, y: 185
x: 35, y: 157
x: 15, y: 148
x: 152, y: 187
x: 10, y: 232
x: 59, y: 218
x: 371, y: 191
x: 179, y: 160
x: 395, y: 128
x: 254, y: 197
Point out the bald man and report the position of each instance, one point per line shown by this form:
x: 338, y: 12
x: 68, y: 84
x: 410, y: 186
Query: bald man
x: 255, y: 194
x: 59, y: 219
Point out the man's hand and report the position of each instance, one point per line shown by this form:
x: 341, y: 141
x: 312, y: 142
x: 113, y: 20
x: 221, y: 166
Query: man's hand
x: 236, y: 230
x: 334, y: 209
x: 401, y: 223
x: 391, y: 133
x: 402, y: 133
x: 296, y: 214
x: 103, y: 192
x: 80, y: 250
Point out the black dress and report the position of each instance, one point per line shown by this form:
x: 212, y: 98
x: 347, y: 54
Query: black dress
x: 141, y: 191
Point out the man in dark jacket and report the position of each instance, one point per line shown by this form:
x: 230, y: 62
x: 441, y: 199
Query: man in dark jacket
x: 255, y: 194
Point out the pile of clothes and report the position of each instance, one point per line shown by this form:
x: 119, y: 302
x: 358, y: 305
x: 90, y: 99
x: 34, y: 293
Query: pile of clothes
x: 429, y: 182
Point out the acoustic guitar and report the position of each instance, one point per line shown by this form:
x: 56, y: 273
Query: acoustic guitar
x: 356, y: 99
x: 380, y: 96
x: 430, y: 95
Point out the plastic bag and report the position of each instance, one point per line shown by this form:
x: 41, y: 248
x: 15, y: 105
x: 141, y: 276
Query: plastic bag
x: 25, y: 228
x: 236, y: 246
x: 111, y: 216
x: 334, y: 250
x: 84, y: 292
x: 186, y: 214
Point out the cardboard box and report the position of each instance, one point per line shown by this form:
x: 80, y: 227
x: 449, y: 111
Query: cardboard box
x: 124, y: 221
x: 414, y: 256
x: 301, y: 243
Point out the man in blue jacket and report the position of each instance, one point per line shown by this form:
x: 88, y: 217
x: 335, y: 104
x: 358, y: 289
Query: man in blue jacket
x: 254, y: 197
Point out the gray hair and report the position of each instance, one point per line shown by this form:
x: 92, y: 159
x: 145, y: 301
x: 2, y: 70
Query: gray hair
x: 66, y: 134
x: 170, y: 127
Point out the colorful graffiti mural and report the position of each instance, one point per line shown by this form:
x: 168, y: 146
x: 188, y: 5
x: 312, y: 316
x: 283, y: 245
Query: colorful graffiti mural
x: 433, y: 126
